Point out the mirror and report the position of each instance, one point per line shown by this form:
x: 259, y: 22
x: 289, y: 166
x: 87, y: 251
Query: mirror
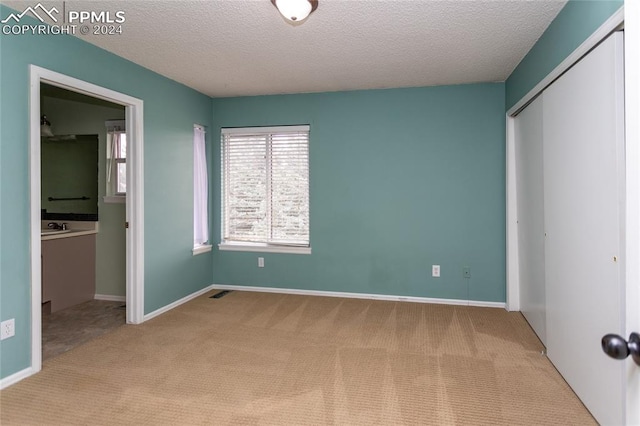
x: 69, y: 177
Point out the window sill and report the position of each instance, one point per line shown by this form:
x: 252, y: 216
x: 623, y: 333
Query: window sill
x: 201, y: 249
x: 264, y: 248
x: 115, y: 199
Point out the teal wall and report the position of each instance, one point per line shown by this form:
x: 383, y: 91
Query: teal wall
x: 400, y: 179
x: 170, y: 109
x: 573, y: 25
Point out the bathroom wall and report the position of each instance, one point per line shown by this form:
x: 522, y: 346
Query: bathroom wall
x: 71, y: 117
x: 69, y: 169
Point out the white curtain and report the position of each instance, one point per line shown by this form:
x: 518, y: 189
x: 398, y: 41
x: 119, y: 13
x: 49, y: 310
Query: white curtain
x: 200, y: 189
x: 113, y: 138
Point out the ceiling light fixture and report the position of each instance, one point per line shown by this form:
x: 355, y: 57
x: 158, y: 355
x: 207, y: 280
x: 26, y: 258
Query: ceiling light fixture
x: 295, y: 10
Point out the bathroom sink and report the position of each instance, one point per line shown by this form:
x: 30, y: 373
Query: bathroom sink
x: 47, y: 231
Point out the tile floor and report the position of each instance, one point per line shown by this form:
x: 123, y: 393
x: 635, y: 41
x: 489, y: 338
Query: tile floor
x: 71, y: 327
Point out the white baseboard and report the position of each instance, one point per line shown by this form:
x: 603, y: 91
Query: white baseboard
x: 361, y: 296
x: 177, y: 303
x: 16, y: 377
x: 110, y: 298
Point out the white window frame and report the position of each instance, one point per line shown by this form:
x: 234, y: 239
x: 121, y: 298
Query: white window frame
x: 243, y: 246
x: 113, y: 160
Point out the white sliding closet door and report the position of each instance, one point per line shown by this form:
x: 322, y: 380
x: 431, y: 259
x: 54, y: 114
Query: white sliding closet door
x: 583, y: 193
x: 530, y: 190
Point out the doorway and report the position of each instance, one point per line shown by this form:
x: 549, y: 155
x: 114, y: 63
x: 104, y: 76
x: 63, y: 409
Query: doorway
x: 134, y: 197
x: 84, y: 268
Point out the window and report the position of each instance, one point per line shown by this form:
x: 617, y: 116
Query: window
x: 116, y: 160
x: 265, y: 189
x: 200, y: 193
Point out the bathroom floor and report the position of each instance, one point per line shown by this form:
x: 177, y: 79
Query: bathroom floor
x: 71, y: 327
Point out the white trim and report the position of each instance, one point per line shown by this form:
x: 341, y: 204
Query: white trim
x: 135, y: 197
x: 632, y: 197
x: 177, y: 303
x: 35, y: 78
x: 114, y: 199
x: 592, y: 41
x: 513, y: 264
x: 109, y: 298
x: 135, y: 213
x: 263, y: 248
x: 204, y: 248
x: 366, y: 296
x: 16, y: 377
x: 72, y: 233
x: 272, y: 129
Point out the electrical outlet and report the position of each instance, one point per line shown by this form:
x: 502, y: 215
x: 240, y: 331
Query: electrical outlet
x: 7, y: 328
x: 261, y: 262
x: 466, y: 272
x: 435, y: 271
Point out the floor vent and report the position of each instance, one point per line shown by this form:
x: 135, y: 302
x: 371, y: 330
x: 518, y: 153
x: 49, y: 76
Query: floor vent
x: 219, y: 295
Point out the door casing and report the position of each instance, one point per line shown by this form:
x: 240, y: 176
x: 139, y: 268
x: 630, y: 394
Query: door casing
x: 134, y: 198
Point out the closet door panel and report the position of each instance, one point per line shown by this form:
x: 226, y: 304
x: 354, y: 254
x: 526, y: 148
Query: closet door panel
x: 530, y: 190
x: 583, y: 160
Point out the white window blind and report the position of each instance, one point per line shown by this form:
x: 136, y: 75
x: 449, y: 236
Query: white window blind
x: 265, y: 185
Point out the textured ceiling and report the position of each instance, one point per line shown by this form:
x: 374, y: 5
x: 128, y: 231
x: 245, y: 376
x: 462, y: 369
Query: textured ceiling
x: 244, y: 47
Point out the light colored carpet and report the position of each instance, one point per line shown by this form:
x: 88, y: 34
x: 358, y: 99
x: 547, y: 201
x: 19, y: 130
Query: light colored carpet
x: 260, y: 358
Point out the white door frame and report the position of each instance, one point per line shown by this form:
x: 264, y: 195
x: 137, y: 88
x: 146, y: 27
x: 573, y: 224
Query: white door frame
x: 134, y: 200
x: 629, y: 15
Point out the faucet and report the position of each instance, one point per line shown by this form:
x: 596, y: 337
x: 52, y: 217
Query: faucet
x: 53, y: 225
